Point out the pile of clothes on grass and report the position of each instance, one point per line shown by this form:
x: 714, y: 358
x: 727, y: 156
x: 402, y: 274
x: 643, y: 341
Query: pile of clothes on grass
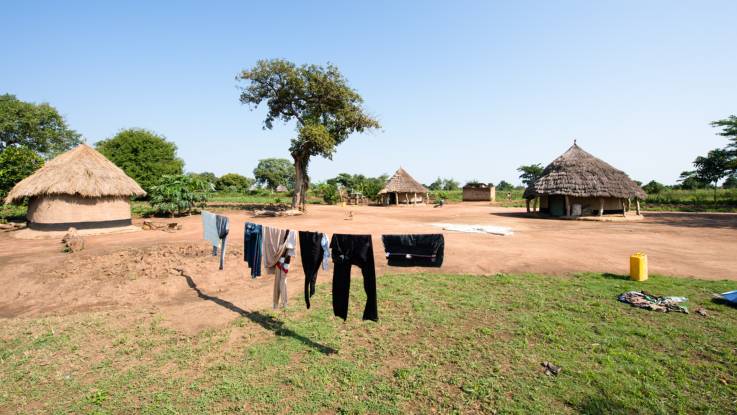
x: 643, y: 299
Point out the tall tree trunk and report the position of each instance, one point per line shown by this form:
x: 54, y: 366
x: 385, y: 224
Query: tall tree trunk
x: 301, y: 182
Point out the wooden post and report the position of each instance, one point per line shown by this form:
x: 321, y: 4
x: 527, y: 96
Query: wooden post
x: 624, y: 211
x: 601, y: 206
x: 396, y: 198
x: 414, y: 199
x: 537, y: 204
x: 527, y: 204
x: 637, y: 206
x: 568, y: 206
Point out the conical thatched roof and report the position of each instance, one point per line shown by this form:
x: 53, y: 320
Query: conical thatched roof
x: 579, y: 174
x: 402, y: 182
x: 81, y: 171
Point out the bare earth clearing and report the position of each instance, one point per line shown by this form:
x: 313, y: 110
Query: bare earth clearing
x: 174, y: 275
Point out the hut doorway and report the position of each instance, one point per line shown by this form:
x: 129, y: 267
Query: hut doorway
x: 557, y: 205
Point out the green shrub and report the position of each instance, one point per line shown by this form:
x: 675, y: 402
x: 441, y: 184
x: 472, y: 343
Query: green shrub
x: 178, y: 194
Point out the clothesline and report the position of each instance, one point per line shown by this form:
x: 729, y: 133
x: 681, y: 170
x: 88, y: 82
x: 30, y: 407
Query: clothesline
x: 273, y: 248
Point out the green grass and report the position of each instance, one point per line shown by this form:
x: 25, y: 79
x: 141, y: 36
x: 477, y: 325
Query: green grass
x: 445, y: 343
x: 699, y: 200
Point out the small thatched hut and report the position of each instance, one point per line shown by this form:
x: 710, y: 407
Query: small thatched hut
x: 80, y: 188
x: 401, y: 188
x: 578, y: 183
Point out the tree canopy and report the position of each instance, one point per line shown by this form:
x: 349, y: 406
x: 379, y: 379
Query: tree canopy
x: 273, y: 172
x: 504, y: 186
x: 358, y: 183
x: 653, y: 187
x: 712, y: 168
x: 326, y: 110
x: 37, y: 127
x: 530, y: 173
x: 444, y: 184
x: 233, y: 182
x: 143, y: 155
x: 16, y: 163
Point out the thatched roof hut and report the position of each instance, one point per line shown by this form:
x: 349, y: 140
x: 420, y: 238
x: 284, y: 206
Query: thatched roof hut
x: 578, y: 178
x: 80, y: 188
x: 402, y: 188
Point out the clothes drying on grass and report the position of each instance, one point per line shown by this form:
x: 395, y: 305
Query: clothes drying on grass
x: 252, y: 247
x: 210, y: 230
x: 421, y: 250
x: 223, y: 227
x: 278, y: 248
x: 313, y: 247
x: 349, y: 250
x: 729, y: 296
x: 491, y: 229
x: 643, y: 299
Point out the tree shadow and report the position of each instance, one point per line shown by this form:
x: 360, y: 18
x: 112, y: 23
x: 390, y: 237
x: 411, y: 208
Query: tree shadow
x: 265, y: 321
x: 601, y: 404
x: 692, y: 220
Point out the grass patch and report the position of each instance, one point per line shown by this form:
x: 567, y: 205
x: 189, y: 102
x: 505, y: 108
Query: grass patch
x: 445, y: 343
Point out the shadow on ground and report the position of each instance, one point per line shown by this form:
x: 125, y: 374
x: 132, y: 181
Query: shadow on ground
x: 692, y: 220
x: 265, y: 321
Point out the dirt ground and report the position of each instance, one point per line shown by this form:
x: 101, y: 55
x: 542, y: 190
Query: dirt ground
x: 175, y: 275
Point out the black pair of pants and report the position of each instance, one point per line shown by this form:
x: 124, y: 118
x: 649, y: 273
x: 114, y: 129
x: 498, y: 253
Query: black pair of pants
x: 420, y: 250
x: 311, y: 251
x: 349, y: 250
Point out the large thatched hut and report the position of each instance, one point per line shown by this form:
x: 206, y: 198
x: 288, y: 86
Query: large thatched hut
x: 80, y: 188
x: 578, y: 183
x: 401, y: 188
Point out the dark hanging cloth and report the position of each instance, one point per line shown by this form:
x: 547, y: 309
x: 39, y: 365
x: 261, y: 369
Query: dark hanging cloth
x: 348, y: 250
x: 312, y: 252
x: 252, y: 245
x: 423, y: 250
x: 221, y: 222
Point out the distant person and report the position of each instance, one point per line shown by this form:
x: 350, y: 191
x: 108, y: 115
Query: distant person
x: 509, y: 195
x: 439, y: 203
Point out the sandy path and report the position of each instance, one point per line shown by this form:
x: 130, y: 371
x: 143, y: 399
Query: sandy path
x: 145, y: 271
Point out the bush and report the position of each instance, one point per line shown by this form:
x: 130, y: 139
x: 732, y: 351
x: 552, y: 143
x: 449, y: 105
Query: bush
x: 234, y: 183
x: 329, y: 192
x: 178, y: 194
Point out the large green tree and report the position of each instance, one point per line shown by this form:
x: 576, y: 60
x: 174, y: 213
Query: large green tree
x: 712, y: 168
x: 38, y: 127
x: 143, y: 155
x: 326, y: 110
x: 273, y: 172
x: 16, y: 163
x: 530, y: 173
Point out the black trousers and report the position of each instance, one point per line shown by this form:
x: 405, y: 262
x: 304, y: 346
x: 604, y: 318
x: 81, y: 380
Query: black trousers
x: 310, y: 248
x: 349, y: 250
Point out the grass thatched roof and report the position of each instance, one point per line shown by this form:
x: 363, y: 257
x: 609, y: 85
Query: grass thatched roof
x: 402, y: 182
x: 81, y: 171
x: 579, y: 174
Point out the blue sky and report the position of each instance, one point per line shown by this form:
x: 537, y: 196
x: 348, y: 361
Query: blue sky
x: 469, y: 90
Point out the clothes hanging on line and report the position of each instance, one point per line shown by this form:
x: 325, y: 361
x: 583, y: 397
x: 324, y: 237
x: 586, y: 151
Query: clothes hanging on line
x: 223, y: 227
x: 278, y: 248
x: 210, y: 230
x: 313, y: 247
x: 348, y: 250
x: 252, y: 247
x: 421, y: 250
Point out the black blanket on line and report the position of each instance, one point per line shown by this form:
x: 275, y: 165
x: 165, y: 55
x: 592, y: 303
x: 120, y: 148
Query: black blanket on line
x: 421, y: 250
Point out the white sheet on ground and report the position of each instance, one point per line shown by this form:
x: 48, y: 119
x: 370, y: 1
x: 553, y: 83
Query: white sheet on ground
x: 494, y: 230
